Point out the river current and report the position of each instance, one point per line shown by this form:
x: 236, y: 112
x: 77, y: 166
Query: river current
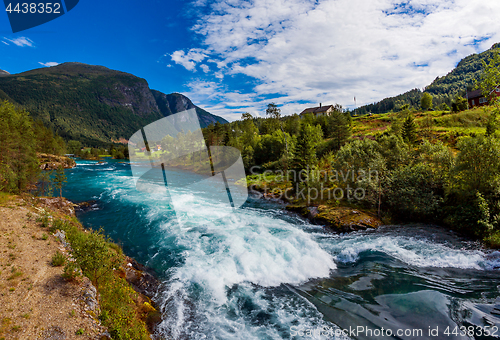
x: 262, y: 273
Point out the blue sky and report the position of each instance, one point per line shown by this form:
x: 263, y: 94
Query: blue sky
x: 235, y: 56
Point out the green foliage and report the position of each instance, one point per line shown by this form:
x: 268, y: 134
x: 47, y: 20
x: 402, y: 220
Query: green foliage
x: 401, y: 102
x: 96, y: 257
x: 492, y: 124
x: 71, y: 271
x: 426, y: 101
x: 18, y: 161
x: 459, y: 104
x: 74, y: 147
x: 59, y: 179
x: 473, y: 217
x: 58, y: 259
x: 339, y: 128
x: 414, y: 192
x: 490, y: 77
x: 47, y: 141
x: 270, y: 148
x: 409, y: 129
x: 477, y: 167
x: 45, y: 183
x: 305, y: 156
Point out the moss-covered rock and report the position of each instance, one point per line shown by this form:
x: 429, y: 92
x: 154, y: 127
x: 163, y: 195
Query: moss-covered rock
x: 52, y: 162
x: 338, y: 219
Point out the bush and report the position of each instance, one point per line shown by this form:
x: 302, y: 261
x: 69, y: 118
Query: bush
x: 58, y: 259
x: 71, y: 271
x: 414, y: 192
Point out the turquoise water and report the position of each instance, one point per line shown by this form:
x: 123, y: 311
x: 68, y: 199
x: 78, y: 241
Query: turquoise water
x: 263, y: 274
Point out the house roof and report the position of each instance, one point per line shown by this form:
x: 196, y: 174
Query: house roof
x: 317, y: 109
x: 479, y: 94
x: 474, y: 94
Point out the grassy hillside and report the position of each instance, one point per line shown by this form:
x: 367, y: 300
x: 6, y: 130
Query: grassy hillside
x: 439, y: 125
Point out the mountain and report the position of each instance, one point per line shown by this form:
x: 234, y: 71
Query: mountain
x: 4, y: 73
x: 443, y: 89
x: 93, y: 104
x: 176, y: 102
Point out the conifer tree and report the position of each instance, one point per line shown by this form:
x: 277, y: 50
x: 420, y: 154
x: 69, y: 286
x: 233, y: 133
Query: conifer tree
x: 409, y: 131
x: 59, y: 179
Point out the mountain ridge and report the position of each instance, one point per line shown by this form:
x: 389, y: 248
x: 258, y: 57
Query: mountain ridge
x: 93, y: 104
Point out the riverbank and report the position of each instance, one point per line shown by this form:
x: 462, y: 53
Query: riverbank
x: 334, y: 217
x: 53, y: 162
x: 45, y: 299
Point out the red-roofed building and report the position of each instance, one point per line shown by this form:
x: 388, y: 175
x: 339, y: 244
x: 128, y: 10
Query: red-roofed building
x: 476, y: 98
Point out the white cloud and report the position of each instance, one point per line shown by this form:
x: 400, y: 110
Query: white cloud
x: 49, y: 64
x: 6, y: 43
x: 332, y: 50
x: 21, y: 42
x: 188, y: 60
x: 205, y: 68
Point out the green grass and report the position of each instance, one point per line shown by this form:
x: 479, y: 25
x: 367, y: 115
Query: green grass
x: 446, y: 126
x: 4, y: 198
x: 58, y: 259
x: 118, y: 301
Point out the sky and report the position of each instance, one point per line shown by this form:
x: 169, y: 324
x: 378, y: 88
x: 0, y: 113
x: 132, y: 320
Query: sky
x: 232, y: 56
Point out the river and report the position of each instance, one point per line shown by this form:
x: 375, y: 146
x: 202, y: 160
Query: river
x: 262, y: 273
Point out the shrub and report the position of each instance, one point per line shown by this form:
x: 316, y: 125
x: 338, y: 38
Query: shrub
x: 58, y: 259
x: 71, y: 271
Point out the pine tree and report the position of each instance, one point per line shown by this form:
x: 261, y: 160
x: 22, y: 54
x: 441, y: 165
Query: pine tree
x: 59, y: 179
x: 408, y: 132
x: 339, y: 128
x: 305, y: 156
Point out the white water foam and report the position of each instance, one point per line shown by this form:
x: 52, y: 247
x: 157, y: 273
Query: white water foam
x: 246, y: 249
x: 413, y: 251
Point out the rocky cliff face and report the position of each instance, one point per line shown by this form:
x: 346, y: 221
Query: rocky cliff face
x: 137, y: 98
x: 175, y: 102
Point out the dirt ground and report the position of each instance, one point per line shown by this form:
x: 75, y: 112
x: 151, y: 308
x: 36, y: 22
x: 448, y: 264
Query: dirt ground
x: 35, y: 301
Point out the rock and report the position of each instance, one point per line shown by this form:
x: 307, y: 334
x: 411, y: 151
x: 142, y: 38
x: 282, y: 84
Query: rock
x: 338, y: 219
x: 57, y: 203
x: 61, y: 236
x: 89, y: 297
x: 54, y: 333
x: 86, y: 206
x: 104, y: 336
x: 53, y: 162
x: 313, y: 212
x: 142, y: 281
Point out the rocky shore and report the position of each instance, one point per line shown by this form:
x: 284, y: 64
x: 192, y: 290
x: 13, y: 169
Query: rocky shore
x: 338, y: 219
x: 53, y: 162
